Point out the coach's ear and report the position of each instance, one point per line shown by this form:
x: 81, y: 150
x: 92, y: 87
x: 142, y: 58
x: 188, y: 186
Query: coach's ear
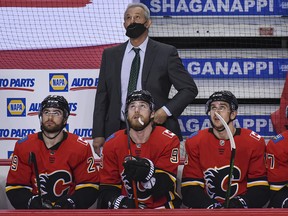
x: 148, y: 23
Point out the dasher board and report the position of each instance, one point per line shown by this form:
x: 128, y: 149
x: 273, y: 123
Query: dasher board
x: 219, y: 27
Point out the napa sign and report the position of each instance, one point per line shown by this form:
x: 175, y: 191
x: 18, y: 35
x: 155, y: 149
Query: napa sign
x: 217, y: 7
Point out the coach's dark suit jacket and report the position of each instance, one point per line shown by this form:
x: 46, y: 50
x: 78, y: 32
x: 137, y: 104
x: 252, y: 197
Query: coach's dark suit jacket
x: 162, y: 67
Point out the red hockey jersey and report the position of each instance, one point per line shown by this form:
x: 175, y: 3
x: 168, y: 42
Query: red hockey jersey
x: 162, y: 149
x: 208, y: 161
x: 277, y: 161
x: 68, y: 167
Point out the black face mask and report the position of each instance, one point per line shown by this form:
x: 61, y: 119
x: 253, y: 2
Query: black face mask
x: 134, y: 30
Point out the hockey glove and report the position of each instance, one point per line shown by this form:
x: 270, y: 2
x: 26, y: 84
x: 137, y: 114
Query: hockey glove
x: 65, y: 202
x: 279, y: 199
x: 123, y: 202
x: 139, y: 169
x: 35, y: 202
x: 285, y: 203
x: 215, y: 205
x: 237, y: 202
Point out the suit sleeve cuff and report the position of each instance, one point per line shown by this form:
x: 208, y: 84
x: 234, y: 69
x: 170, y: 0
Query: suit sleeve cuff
x: 167, y: 111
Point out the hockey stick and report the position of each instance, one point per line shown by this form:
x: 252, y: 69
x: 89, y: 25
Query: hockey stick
x: 32, y: 160
x: 232, y: 158
x: 130, y: 154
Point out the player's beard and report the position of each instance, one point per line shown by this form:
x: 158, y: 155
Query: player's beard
x: 136, y: 125
x: 52, y: 127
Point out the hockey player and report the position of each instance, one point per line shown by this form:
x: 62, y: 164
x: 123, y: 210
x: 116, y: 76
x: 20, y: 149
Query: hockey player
x: 206, y: 168
x: 68, y: 177
x: 277, y: 166
x: 139, y: 171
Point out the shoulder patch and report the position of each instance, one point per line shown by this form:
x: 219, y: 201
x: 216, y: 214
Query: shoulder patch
x: 80, y: 140
x: 22, y: 140
x: 277, y: 138
x: 255, y: 135
x: 193, y: 134
x: 168, y: 133
x: 110, y: 137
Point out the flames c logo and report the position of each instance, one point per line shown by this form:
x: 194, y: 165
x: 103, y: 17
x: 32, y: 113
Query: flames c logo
x: 56, y: 184
x: 216, y: 181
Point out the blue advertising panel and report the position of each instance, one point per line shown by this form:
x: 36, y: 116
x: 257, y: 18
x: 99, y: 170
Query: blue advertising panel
x: 236, y: 68
x: 217, y: 7
x: 260, y: 124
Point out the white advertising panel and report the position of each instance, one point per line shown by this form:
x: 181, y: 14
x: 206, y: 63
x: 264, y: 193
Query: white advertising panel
x: 23, y: 90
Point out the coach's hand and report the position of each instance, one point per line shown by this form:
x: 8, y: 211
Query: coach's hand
x: 98, y: 143
x: 160, y: 116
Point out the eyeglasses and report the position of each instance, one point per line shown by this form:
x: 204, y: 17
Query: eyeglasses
x: 55, y: 113
x: 221, y: 108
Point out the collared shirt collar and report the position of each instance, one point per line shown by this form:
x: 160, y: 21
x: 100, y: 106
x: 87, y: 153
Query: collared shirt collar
x: 142, y: 46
